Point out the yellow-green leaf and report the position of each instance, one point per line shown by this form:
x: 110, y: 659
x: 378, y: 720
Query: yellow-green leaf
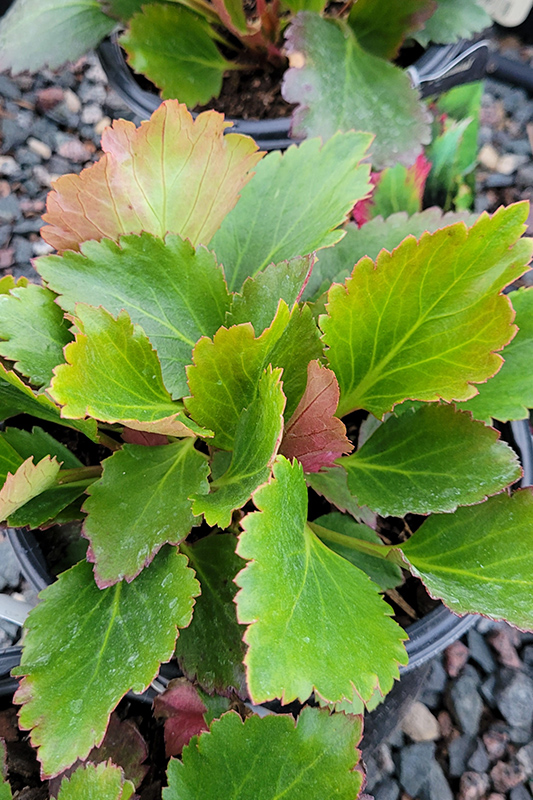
x: 436, y: 317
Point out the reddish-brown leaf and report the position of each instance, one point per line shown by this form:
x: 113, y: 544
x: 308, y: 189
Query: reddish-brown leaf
x: 183, y: 711
x: 172, y: 174
x: 314, y: 435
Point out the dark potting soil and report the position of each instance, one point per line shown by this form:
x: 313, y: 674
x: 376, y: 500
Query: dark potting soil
x: 251, y: 94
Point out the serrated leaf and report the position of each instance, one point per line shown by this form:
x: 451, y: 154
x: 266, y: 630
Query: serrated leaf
x: 106, y: 641
x: 341, y: 87
x: 381, y: 27
x: 176, y: 50
x: 102, y: 781
x: 453, y: 20
x: 436, y: 317
x: 336, y: 263
x: 316, y: 622
x: 38, y: 444
x: 194, y: 160
x: 175, y: 292
x: 260, y: 296
x: 257, y: 439
x: 332, y: 483
x: 480, y: 558
x: 211, y: 651
x: 313, y: 759
x: 313, y: 434
x: 54, y: 31
x: 139, y: 504
x: 427, y: 460
x: 299, y: 220
x: 18, y: 398
x: 509, y: 394
x: 224, y: 378
x: 386, y: 574
x: 34, y: 331
x: 26, y: 483
x: 112, y: 374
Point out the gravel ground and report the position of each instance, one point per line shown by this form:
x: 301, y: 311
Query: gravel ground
x: 469, y: 736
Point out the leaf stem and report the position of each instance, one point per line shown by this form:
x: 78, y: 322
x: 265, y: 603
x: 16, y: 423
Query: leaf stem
x: 108, y: 441
x: 385, y: 552
x: 79, y: 474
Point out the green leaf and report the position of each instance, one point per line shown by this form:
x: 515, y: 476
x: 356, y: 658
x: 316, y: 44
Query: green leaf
x: 300, y: 219
x: 139, y: 504
x: 5, y: 790
x: 257, y: 439
x: 175, y: 49
x: 211, y: 651
x: 96, y: 782
x: 35, y: 332
x: 444, y: 153
x: 317, y: 623
x: 336, y: 263
x: 18, y: 398
x: 260, y: 296
x: 436, y: 316
x: 509, y: 394
x: 53, y: 31
x: 386, y: 574
x: 38, y: 444
x: 113, y: 374
x: 332, y: 483
x: 431, y: 459
x: 341, y: 87
x: 480, y: 558
x: 270, y: 757
x: 176, y: 293
x: 453, y: 20
x: 27, y: 482
x: 199, y: 176
x: 381, y: 27
x: 226, y: 371
x: 105, y: 642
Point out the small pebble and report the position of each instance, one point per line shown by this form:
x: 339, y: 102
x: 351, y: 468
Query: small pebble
x: 39, y: 148
x: 455, y: 657
x: 504, y: 642
x: 420, y: 724
x: 473, y: 786
x: 495, y: 741
x: 72, y: 101
x: 506, y: 775
x: 466, y: 704
x: 514, y: 697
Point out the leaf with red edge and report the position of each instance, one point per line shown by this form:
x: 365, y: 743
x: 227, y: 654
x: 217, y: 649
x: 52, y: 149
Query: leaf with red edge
x: 172, y: 174
x: 29, y: 481
x: 339, y: 86
x: 436, y: 319
x: 396, y: 189
x: 113, y: 374
x: 104, y: 781
x: 314, y: 435
x: 185, y: 711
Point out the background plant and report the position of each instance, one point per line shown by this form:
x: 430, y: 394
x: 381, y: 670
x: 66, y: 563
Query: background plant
x: 172, y: 331
x: 341, y: 75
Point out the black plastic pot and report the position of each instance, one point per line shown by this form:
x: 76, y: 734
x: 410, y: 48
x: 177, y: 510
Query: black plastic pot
x: 270, y: 134
x: 9, y: 658
x: 439, y: 69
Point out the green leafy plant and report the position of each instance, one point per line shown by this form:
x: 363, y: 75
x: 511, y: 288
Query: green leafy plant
x: 337, y: 59
x: 176, y: 337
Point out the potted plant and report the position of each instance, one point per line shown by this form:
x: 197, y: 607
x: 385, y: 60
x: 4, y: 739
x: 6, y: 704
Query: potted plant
x: 335, y: 61
x: 203, y: 404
